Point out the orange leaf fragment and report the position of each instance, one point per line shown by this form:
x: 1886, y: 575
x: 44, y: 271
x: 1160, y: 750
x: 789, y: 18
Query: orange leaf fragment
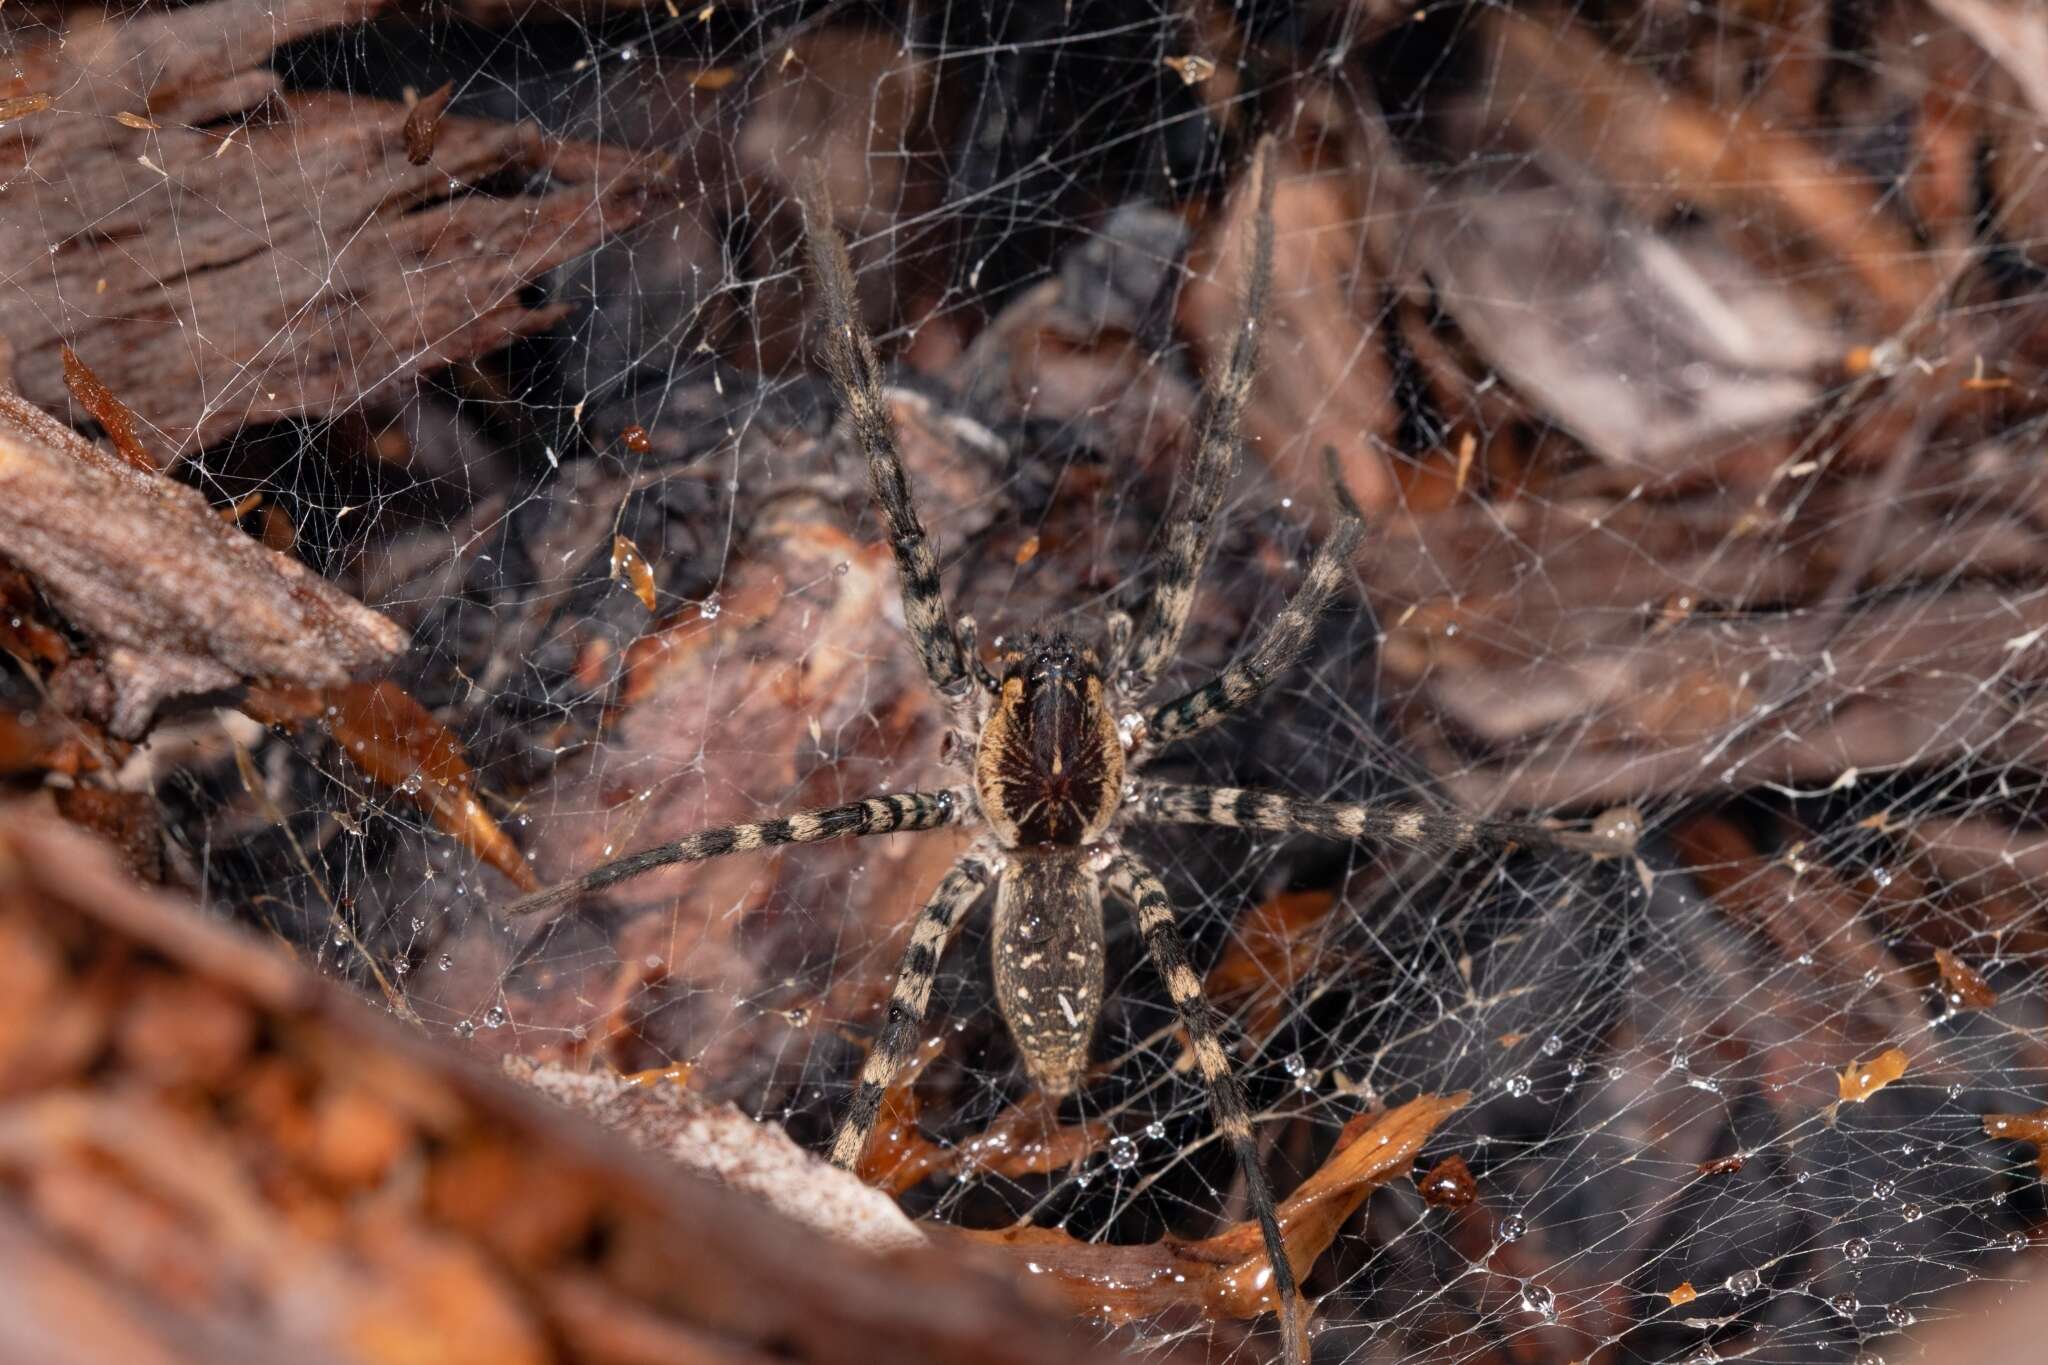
x: 1683, y: 1295
x: 1961, y: 987
x: 1226, y: 1276
x: 631, y: 566
x: 1861, y: 1080
x: 636, y: 439
x: 395, y: 741
x: 1723, y: 1165
x: 423, y: 124
x: 1449, y: 1184
x: 20, y: 105
x: 713, y: 78
x: 2022, y: 1128
x: 110, y: 412
x: 1025, y: 1139
x: 141, y: 123
x: 1028, y: 551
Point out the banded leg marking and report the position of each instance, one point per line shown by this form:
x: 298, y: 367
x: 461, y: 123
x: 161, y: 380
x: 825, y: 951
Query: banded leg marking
x: 911, y: 811
x: 1282, y: 645
x: 957, y: 892
x: 1173, y: 804
x: 857, y: 379
x: 1191, y: 528
x: 1133, y: 882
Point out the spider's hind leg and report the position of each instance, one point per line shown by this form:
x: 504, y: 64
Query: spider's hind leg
x: 1134, y: 883
x: 957, y: 892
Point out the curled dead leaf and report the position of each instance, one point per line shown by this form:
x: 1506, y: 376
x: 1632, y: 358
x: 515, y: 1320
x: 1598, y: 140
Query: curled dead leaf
x: 2032, y: 1128
x: 1962, y: 988
x: 631, y: 567
x: 395, y: 741
x: 1226, y: 1275
x: 1861, y: 1080
x: 423, y: 124
x: 110, y: 412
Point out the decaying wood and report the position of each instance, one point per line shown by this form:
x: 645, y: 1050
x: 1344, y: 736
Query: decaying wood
x: 217, y: 1156
x: 176, y: 600
x: 216, y: 274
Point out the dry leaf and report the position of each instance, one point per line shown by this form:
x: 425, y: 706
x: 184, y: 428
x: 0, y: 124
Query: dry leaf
x: 1861, y: 1080
x: 110, y: 412
x: 631, y: 567
x: 2022, y: 1128
x: 395, y: 741
x: 1226, y: 1276
x: 1961, y: 987
x: 423, y: 125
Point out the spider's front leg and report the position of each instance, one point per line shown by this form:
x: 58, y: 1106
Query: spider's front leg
x: 913, y: 812
x: 1191, y: 526
x: 957, y: 893
x: 857, y: 379
x: 1411, y: 826
x: 1279, y: 649
x: 1134, y: 883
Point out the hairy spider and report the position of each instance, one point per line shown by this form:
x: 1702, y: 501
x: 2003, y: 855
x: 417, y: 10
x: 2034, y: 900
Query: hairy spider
x: 1051, y: 740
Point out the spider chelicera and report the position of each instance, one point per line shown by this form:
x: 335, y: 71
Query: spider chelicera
x: 1052, y: 739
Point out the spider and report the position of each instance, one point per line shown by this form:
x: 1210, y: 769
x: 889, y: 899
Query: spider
x: 1052, y: 739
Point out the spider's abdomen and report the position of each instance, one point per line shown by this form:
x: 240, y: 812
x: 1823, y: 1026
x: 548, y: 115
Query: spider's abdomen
x: 1047, y: 952
x: 1050, y: 768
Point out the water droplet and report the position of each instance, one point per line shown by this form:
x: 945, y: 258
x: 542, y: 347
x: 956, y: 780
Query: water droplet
x: 798, y: 1017
x: 839, y: 570
x: 1540, y: 1301
x: 1156, y: 1131
x: 1955, y: 1091
x: 1512, y: 1227
x: 1743, y: 1283
x: 1705, y: 1355
x: 495, y: 1017
x: 413, y: 784
x: 1869, y: 1358
x: 465, y: 1029
x: 1844, y: 1304
x: 1123, y: 1153
x: 1519, y: 1085
x: 2015, y: 1241
x: 1856, y: 1248
x: 1899, y: 1315
x: 1296, y: 1066
x: 1885, y: 1189
x: 709, y: 608
x: 1575, y: 1068
x: 447, y: 963
x: 1553, y: 1045
x: 1910, y: 1213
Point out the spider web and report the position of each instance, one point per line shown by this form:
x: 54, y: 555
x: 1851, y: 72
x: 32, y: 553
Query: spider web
x: 1685, y: 357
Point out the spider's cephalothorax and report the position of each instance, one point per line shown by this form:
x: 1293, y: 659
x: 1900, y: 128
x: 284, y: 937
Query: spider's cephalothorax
x: 1049, y: 772
x: 1049, y: 764
x: 1049, y: 768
